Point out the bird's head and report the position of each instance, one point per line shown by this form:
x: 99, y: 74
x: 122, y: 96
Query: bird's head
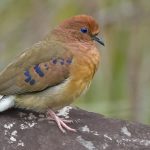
x: 81, y: 28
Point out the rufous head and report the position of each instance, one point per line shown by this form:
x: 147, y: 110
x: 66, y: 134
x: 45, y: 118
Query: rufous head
x: 81, y: 28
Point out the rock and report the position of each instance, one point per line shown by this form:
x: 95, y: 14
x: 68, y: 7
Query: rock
x: 26, y: 130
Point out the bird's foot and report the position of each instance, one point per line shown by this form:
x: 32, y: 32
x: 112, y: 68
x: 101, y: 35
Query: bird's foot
x: 60, y: 122
x: 62, y: 119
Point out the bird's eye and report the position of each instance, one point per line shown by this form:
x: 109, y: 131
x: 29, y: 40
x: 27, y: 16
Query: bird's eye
x: 84, y: 30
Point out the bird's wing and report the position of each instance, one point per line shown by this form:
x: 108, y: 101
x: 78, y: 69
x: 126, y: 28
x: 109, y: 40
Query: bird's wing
x: 44, y: 65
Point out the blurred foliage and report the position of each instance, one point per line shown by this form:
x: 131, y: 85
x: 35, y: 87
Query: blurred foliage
x: 121, y: 87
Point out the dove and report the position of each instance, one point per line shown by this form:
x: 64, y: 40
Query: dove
x: 55, y: 71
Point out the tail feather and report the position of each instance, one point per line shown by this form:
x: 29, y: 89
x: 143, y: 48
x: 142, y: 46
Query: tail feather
x: 6, y: 102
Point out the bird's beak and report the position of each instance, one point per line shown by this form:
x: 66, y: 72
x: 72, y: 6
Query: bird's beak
x: 99, y: 40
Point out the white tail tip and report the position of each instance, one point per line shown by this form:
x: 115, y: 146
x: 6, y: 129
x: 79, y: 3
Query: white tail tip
x: 6, y: 102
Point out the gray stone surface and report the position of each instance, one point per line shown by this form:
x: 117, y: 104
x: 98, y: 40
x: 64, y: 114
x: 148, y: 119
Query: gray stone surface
x: 25, y: 130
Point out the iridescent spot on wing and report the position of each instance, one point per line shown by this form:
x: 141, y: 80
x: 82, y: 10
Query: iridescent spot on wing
x: 46, y: 66
x: 32, y: 82
x: 54, y: 61
x: 38, y: 70
x: 61, y: 61
x: 69, y: 61
x: 28, y: 76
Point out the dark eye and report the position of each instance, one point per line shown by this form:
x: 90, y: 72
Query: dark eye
x: 84, y: 30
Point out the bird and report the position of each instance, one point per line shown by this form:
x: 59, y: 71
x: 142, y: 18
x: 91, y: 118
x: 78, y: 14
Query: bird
x: 55, y: 71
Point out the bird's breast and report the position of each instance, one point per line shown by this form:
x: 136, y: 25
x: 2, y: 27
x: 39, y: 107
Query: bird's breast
x: 82, y: 71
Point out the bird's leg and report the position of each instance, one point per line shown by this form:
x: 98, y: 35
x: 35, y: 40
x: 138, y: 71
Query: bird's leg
x: 60, y: 122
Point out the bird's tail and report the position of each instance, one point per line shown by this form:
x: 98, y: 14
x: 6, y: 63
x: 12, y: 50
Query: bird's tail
x: 6, y: 102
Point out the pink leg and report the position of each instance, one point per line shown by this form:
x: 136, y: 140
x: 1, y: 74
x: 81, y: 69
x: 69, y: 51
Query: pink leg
x: 62, y: 119
x: 60, y: 122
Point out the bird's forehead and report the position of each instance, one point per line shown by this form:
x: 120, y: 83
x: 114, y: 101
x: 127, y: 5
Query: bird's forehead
x: 88, y: 21
x: 81, y: 21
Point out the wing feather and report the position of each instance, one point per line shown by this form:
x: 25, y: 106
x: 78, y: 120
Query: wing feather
x: 44, y: 65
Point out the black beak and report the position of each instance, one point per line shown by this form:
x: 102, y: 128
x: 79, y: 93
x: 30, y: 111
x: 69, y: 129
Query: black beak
x: 99, y: 40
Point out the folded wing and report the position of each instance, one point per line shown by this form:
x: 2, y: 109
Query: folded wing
x: 43, y: 65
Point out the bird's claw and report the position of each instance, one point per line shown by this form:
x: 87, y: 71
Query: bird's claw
x: 60, y: 121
